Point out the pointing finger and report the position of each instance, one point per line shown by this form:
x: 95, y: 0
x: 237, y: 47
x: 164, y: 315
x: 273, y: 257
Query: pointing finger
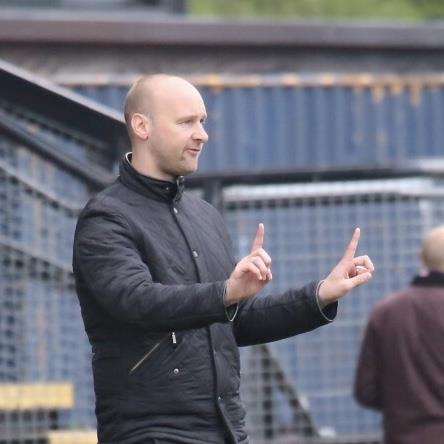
x: 353, y: 245
x: 259, y: 239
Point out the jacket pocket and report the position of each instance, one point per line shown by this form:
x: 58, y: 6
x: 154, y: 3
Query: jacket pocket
x: 147, y: 355
x: 162, y: 384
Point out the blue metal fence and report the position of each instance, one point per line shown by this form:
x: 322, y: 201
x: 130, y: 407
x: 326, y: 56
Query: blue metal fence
x: 307, y: 228
x: 42, y: 339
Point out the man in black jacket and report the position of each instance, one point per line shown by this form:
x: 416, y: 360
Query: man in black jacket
x: 164, y: 303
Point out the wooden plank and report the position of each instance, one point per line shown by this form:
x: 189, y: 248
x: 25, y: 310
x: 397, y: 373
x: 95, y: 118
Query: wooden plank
x: 72, y: 436
x: 32, y: 396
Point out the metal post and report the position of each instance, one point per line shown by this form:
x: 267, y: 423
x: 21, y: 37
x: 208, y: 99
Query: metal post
x: 213, y: 193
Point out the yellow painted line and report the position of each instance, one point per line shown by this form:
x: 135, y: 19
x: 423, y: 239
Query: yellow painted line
x: 72, y: 437
x: 36, y: 396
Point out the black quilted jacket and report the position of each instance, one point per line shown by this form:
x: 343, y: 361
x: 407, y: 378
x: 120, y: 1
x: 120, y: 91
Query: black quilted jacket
x: 150, y: 264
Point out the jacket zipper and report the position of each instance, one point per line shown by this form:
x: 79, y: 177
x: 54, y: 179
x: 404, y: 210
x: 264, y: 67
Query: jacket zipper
x: 150, y: 351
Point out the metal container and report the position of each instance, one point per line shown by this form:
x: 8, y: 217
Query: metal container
x: 305, y: 121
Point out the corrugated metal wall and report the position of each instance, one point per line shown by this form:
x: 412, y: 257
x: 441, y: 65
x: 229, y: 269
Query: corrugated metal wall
x: 279, y: 122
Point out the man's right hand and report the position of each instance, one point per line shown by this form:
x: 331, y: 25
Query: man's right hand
x: 251, y: 274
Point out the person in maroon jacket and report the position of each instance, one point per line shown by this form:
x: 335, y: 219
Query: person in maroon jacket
x: 401, y: 366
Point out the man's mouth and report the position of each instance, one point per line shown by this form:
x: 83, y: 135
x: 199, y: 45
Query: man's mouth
x: 194, y: 150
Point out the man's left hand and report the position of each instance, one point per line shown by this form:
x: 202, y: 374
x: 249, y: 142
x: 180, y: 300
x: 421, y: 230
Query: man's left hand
x: 349, y: 273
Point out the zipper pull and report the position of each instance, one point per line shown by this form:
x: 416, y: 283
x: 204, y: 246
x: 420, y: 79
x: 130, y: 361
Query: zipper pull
x: 173, y: 338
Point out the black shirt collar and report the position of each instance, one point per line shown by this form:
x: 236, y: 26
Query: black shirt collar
x: 148, y: 186
x: 433, y: 279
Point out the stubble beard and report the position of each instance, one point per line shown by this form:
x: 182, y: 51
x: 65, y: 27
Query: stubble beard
x: 190, y: 165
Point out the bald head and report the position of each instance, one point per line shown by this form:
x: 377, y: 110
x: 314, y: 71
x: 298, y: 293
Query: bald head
x: 151, y: 93
x: 165, y: 117
x: 433, y: 250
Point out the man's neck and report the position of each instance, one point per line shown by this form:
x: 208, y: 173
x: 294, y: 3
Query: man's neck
x: 143, y: 165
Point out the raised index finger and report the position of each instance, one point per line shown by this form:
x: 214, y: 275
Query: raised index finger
x: 353, y: 245
x: 259, y: 239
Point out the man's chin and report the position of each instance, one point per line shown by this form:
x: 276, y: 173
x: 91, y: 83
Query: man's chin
x: 188, y: 170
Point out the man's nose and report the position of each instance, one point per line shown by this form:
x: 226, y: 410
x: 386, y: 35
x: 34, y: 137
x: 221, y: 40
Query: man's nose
x: 201, y: 135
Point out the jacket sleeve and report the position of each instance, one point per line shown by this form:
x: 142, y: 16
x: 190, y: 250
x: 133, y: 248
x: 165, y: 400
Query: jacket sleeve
x: 107, y: 262
x: 367, y: 388
x: 273, y: 317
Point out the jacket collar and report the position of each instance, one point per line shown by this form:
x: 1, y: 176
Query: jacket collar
x: 148, y: 186
x: 433, y: 279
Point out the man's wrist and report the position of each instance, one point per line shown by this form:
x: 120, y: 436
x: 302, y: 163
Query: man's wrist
x: 327, y: 309
x: 231, y: 308
x: 321, y: 302
x: 228, y: 297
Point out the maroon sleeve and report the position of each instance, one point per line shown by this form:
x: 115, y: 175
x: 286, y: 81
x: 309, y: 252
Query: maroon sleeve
x: 367, y: 387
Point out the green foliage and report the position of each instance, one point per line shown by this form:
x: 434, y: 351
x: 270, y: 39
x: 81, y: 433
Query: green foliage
x: 430, y: 9
x: 362, y: 10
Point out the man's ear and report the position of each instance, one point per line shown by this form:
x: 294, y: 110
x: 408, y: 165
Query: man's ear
x: 140, y: 125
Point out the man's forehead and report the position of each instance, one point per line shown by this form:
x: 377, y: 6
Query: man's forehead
x: 182, y: 101
x: 189, y: 108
